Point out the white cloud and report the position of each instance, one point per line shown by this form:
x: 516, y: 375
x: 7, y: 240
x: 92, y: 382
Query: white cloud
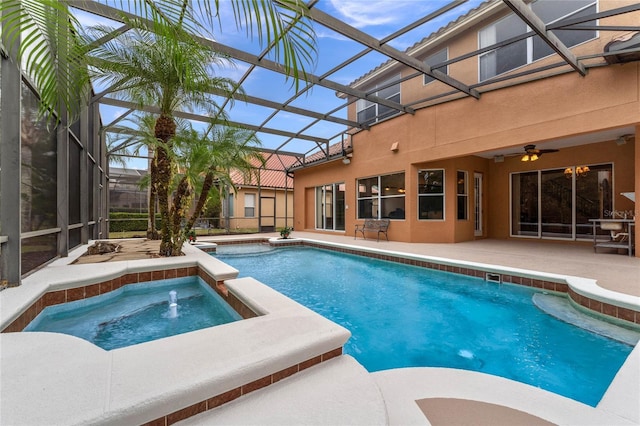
x: 361, y: 14
x: 234, y: 70
x: 321, y: 32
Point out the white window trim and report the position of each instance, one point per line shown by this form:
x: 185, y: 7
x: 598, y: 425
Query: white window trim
x: 573, y: 213
x: 443, y: 195
x: 252, y: 197
x: 335, y: 186
x: 529, y: 41
x: 379, y: 197
x: 466, y: 194
x: 376, y: 105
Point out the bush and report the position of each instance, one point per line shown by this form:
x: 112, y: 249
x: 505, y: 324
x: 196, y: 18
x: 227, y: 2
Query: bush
x: 123, y: 222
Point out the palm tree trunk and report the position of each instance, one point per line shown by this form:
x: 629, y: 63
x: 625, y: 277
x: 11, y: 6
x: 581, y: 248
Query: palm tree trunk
x: 165, y: 129
x: 181, y: 201
x: 207, y: 184
x: 152, y: 232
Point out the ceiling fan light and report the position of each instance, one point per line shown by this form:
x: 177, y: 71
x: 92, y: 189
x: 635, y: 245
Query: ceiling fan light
x: 534, y: 157
x: 525, y: 157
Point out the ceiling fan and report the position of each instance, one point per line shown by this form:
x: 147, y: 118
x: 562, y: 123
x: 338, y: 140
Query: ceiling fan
x: 532, y: 154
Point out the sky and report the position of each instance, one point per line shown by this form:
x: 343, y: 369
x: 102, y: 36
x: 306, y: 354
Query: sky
x: 378, y: 18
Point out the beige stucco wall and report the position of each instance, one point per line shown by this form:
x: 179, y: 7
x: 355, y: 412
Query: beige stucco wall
x: 448, y: 135
x: 239, y: 221
x: 452, y: 136
x: 621, y: 156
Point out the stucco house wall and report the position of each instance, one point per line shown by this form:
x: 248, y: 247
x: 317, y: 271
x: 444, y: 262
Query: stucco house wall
x: 461, y: 134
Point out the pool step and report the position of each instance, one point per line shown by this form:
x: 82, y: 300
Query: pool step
x: 338, y: 391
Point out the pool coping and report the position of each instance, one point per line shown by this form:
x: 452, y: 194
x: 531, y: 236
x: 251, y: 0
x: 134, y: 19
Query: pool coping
x: 583, y: 293
x: 617, y: 406
x: 158, y: 382
x: 141, y: 399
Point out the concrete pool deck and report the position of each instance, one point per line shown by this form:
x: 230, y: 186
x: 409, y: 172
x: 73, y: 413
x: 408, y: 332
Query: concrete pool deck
x: 174, y: 372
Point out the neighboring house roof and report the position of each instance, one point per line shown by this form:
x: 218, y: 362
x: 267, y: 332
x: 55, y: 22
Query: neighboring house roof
x: 271, y: 175
x: 126, y: 173
x: 267, y: 178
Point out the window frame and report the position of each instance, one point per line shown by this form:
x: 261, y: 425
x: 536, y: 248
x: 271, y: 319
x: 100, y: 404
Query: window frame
x: 464, y: 195
x: 441, y: 195
x: 364, y: 104
x: 426, y: 79
x: 228, y: 207
x: 335, y: 191
x: 529, y: 41
x: 250, y: 196
x: 540, y: 232
x: 380, y: 197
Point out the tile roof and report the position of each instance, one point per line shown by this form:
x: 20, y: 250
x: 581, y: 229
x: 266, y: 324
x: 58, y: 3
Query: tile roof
x: 334, y: 151
x: 268, y: 179
x: 272, y: 175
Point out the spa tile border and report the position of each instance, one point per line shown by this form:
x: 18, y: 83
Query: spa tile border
x: 232, y: 394
x: 83, y: 292
x: 603, y: 308
x: 238, y: 305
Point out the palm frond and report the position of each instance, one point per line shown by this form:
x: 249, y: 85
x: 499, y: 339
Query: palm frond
x: 280, y: 25
x: 40, y: 36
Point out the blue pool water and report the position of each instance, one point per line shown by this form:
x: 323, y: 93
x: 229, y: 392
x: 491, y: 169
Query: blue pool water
x: 405, y: 316
x: 137, y: 313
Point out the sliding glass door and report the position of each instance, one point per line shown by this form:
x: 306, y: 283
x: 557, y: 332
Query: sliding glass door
x: 330, y: 206
x: 558, y: 203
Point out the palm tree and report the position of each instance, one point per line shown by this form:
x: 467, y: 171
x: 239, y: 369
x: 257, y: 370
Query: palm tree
x: 204, y: 160
x: 137, y: 134
x: 157, y: 62
x: 54, y: 60
x: 166, y: 68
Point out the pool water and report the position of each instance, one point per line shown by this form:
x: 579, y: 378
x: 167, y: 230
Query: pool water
x: 137, y: 313
x: 407, y: 316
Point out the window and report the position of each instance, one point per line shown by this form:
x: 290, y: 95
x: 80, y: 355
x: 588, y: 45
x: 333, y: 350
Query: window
x: 524, y: 204
x: 558, y: 203
x: 463, y: 196
x: 249, y: 205
x: 431, y: 194
x: 330, y: 207
x: 227, y: 206
x: 514, y: 55
x: 435, y: 59
x: 551, y: 11
x: 370, y: 112
x: 381, y: 197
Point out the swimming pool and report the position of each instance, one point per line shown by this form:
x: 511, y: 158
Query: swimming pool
x: 138, y: 313
x: 406, y: 316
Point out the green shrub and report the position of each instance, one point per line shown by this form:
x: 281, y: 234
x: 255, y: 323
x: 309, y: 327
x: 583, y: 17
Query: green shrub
x: 124, y: 222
